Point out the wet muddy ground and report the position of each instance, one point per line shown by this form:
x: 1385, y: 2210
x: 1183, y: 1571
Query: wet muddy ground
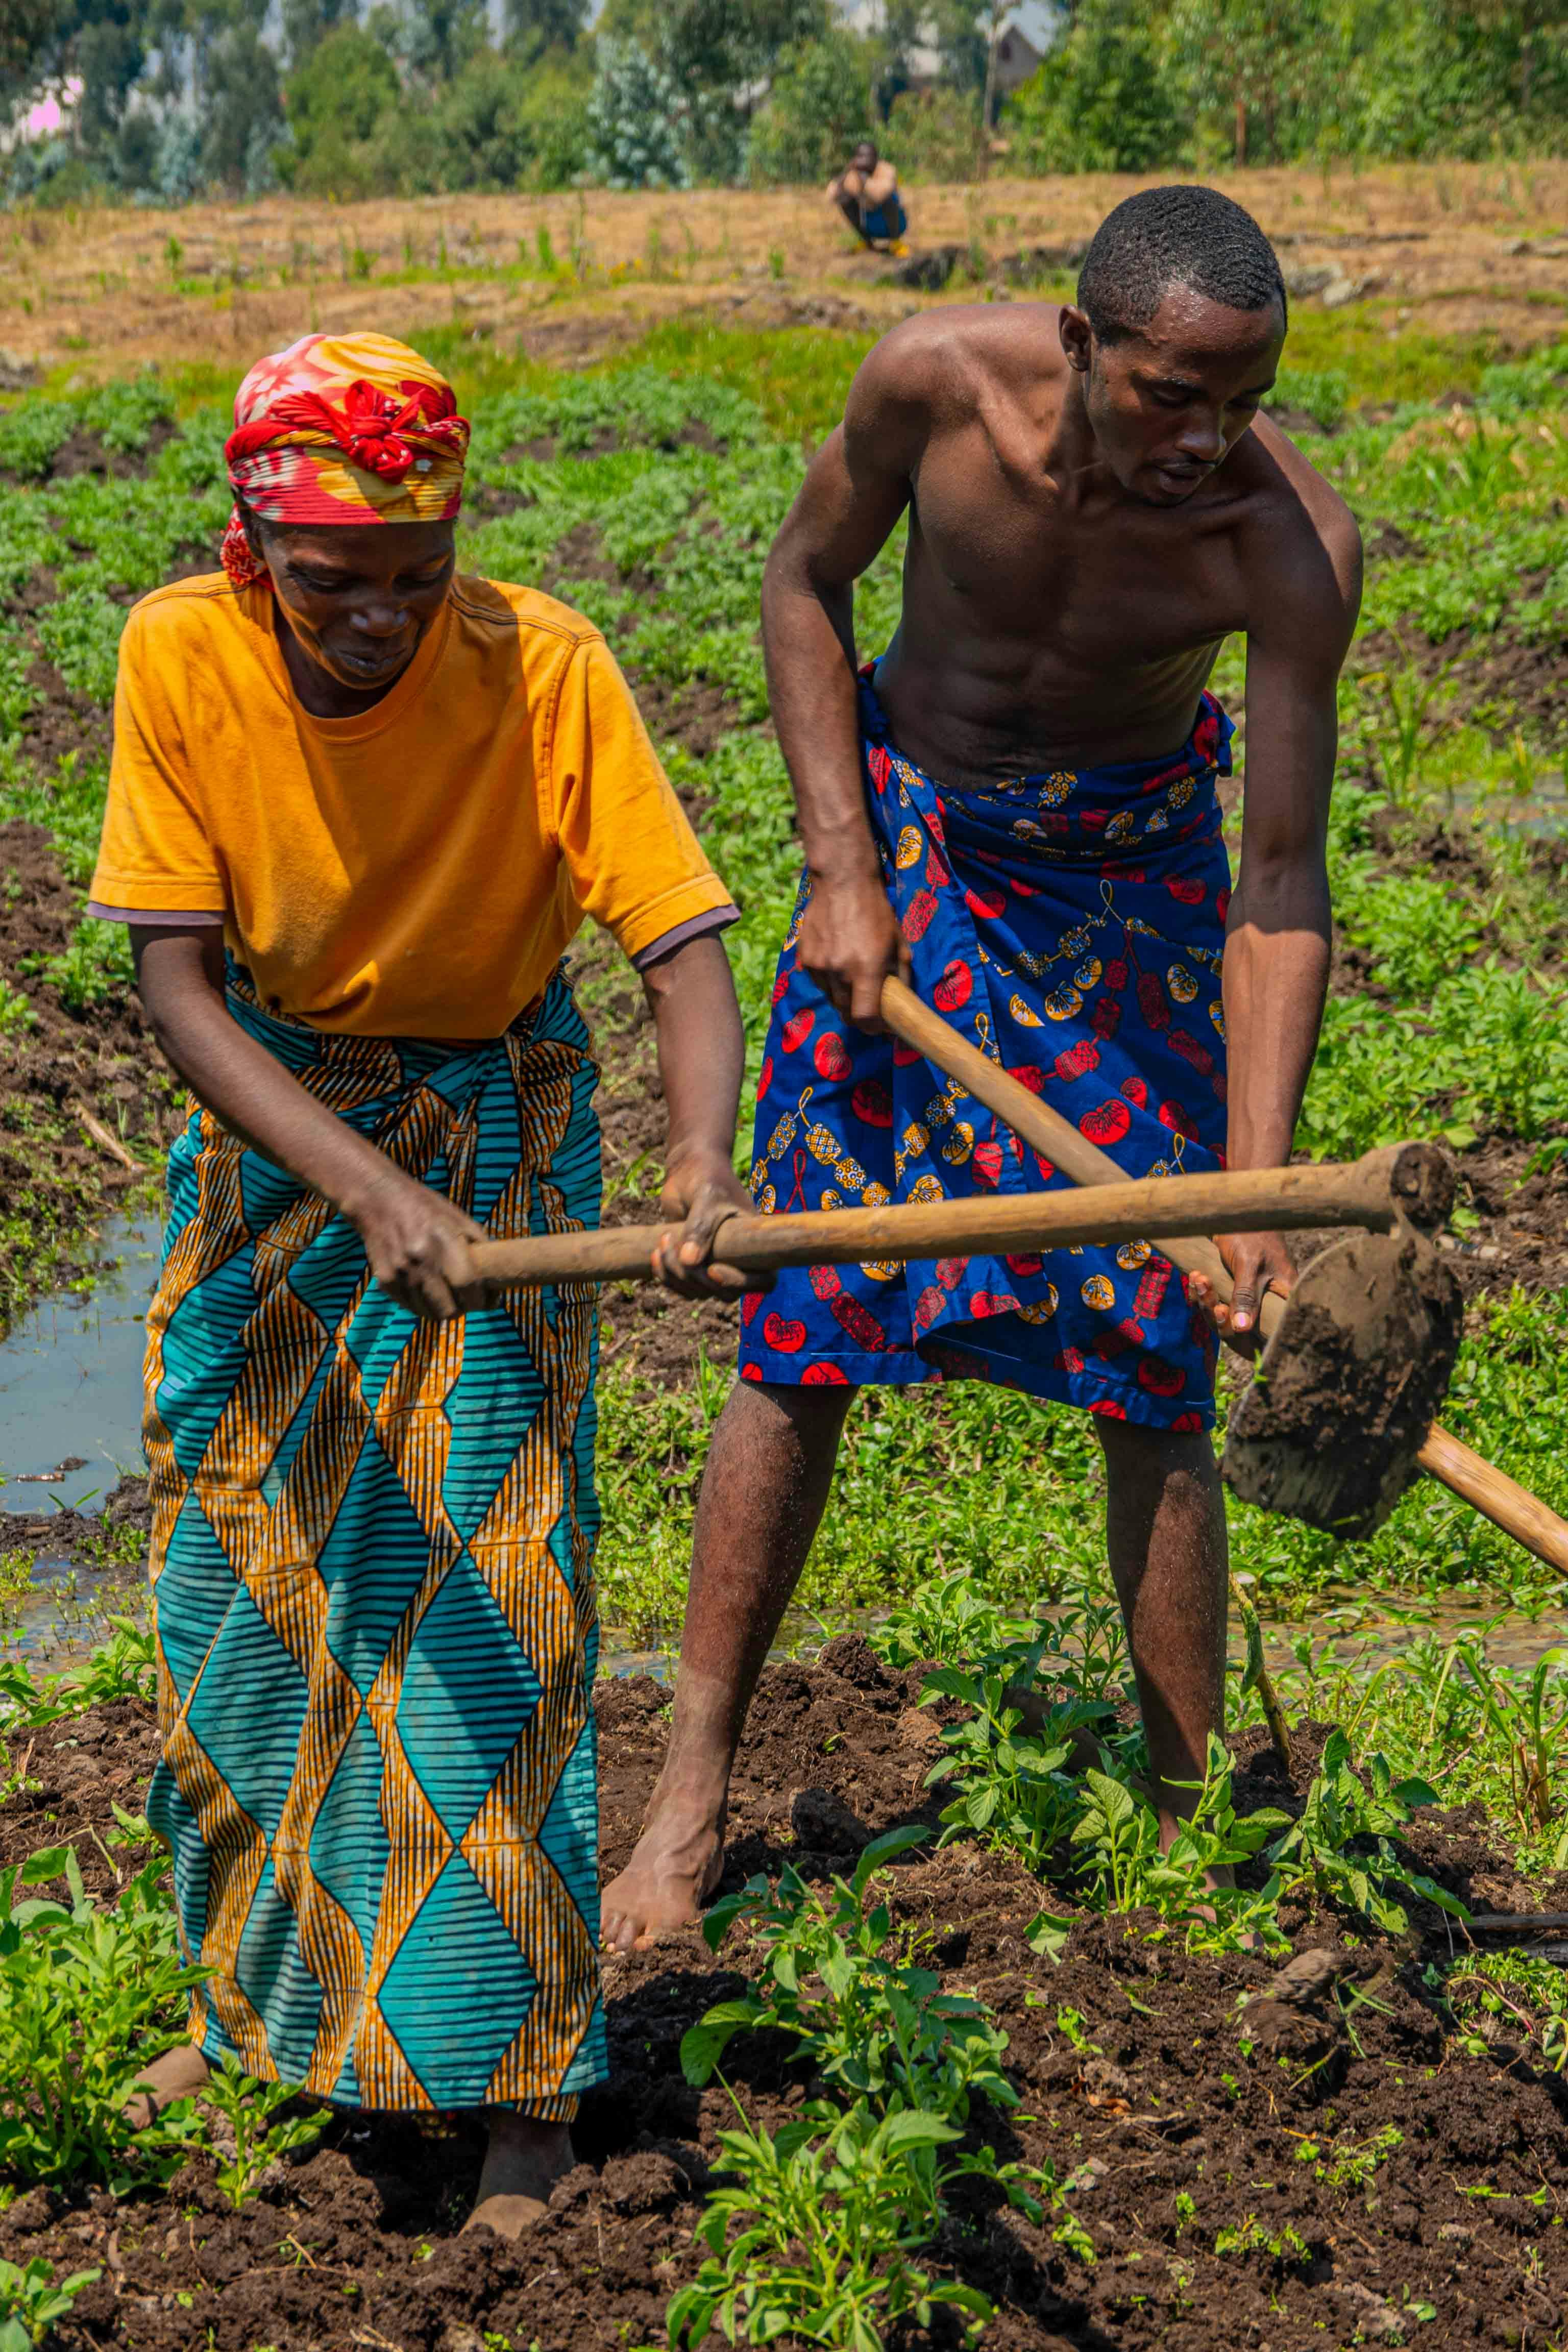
x: 1181, y: 2098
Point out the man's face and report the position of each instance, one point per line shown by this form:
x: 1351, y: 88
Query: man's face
x: 360, y: 596
x: 864, y: 159
x: 1169, y: 402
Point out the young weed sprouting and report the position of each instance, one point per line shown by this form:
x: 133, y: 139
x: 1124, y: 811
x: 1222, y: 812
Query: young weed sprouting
x: 1287, y: 2246
x: 1349, y: 2163
x: 32, y: 2299
x: 1507, y: 1996
x: 246, y: 2108
x: 81, y: 1989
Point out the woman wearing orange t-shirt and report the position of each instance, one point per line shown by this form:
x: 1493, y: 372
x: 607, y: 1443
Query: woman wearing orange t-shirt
x: 359, y: 805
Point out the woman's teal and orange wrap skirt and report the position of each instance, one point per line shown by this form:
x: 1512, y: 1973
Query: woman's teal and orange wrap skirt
x: 373, y: 1550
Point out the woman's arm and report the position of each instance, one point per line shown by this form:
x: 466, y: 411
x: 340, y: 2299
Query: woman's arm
x: 416, y: 1241
x: 701, y: 1060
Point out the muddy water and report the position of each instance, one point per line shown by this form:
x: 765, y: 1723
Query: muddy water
x: 70, y: 1407
x: 70, y: 1413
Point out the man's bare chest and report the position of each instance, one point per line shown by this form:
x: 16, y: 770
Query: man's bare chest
x: 992, y: 550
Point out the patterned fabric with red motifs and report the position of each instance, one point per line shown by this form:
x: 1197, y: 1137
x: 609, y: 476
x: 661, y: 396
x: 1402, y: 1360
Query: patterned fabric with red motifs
x: 1071, y: 925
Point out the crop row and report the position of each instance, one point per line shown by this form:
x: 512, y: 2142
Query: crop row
x: 852, y: 2215
x: 824, y: 2229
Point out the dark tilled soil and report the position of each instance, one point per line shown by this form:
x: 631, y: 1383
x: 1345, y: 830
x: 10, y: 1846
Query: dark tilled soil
x: 1503, y: 680
x: 55, y: 1175
x: 1182, y: 2112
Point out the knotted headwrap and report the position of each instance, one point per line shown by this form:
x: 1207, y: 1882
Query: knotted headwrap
x: 343, y: 429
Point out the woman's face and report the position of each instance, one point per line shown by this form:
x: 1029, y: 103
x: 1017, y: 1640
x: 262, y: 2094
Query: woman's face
x: 358, y: 597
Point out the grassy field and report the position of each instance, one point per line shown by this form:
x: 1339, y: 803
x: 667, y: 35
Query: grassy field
x: 1039, y: 2082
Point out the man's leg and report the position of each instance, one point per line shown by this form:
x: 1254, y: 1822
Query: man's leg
x: 765, y: 1488
x: 1166, y: 1536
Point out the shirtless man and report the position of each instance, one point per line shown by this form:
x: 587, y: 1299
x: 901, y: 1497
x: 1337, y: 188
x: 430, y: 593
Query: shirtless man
x: 1094, y: 504
x: 867, y: 193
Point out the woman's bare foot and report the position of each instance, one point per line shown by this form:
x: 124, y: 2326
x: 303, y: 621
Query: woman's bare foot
x: 524, y: 2160
x: 177, y: 2074
x: 676, y: 1865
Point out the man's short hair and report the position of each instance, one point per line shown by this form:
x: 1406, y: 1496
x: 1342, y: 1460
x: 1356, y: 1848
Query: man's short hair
x: 1178, y: 236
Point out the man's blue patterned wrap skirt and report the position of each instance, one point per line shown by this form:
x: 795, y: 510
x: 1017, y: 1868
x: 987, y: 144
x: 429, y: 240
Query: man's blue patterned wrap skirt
x: 1071, y: 925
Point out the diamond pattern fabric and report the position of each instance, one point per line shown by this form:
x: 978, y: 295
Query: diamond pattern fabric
x: 372, y: 1563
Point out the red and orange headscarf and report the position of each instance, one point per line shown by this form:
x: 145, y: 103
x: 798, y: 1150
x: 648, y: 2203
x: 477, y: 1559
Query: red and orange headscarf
x: 343, y: 429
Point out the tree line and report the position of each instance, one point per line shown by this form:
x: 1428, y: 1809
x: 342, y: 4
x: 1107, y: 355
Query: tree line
x: 168, y: 100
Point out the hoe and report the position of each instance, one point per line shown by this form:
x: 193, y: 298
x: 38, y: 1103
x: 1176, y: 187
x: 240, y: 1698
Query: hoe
x: 1339, y: 1418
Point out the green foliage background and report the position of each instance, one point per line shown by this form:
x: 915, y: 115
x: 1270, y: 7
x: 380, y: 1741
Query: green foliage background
x: 382, y: 96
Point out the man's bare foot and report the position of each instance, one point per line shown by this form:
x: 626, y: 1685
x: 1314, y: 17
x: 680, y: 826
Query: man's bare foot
x: 177, y: 2074
x: 524, y: 2160
x: 675, y: 1867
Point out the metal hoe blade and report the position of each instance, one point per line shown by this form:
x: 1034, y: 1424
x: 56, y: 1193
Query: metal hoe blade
x: 1349, y: 1384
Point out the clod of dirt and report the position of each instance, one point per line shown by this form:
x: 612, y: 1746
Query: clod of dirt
x: 824, y: 1824
x: 1307, y: 1977
x: 1371, y: 2315
x: 1348, y: 1385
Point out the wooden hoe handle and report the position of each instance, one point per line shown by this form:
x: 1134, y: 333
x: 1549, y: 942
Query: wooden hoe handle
x: 1250, y: 1201
x: 1465, y: 1473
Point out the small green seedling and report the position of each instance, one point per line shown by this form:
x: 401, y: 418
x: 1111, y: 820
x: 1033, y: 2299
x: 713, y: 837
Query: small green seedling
x: 247, y: 2106
x: 31, y: 2301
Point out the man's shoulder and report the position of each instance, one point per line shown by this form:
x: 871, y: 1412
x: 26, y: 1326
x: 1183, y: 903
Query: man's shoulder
x: 1294, y: 501
x: 943, y: 360
x: 1299, y: 544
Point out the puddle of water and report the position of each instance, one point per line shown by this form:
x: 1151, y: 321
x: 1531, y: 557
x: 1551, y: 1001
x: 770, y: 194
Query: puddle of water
x: 1541, y: 814
x: 70, y: 1379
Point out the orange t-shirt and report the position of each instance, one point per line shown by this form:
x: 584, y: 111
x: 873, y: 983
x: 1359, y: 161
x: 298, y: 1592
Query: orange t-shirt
x: 416, y: 870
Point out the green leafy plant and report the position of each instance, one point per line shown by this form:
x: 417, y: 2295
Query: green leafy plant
x: 1117, y: 1837
x: 15, y: 1012
x: 125, y: 1666
x: 31, y: 2300
x: 82, y: 1990
x: 951, y: 1618
x: 1012, y: 1785
x: 817, y: 2238
x: 872, y: 2023
x: 246, y: 2109
x: 1341, y: 1813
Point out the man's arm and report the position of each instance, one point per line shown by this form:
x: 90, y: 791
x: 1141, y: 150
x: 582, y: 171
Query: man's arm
x: 857, y: 486
x: 1305, y: 594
